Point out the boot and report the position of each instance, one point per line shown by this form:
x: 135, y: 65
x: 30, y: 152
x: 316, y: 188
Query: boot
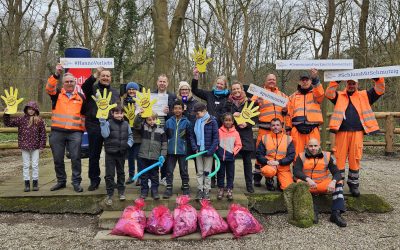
x: 186, y: 189
x: 354, y: 190
x: 168, y: 193
x: 35, y: 185
x: 269, y: 183
x: 250, y: 189
x: 27, y: 186
x: 316, y: 213
x: 154, y: 194
x: 337, y: 218
x: 257, y: 179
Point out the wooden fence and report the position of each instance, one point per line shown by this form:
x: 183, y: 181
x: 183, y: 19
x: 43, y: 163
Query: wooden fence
x: 389, y: 130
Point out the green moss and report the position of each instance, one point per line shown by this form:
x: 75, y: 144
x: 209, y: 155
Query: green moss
x: 53, y: 204
x: 368, y: 203
x: 299, y: 202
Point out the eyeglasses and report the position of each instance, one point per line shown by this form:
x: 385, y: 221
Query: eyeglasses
x: 72, y: 81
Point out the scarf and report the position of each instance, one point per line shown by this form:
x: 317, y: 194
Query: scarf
x: 238, y: 101
x: 218, y: 93
x: 304, y: 91
x: 199, y: 130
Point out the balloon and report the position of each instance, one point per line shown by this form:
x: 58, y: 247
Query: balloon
x: 195, y: 155
x: 160, y: 162
x: 217, y: 166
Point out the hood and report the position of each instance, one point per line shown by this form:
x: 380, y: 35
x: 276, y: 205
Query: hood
x: 226, y: 131
x: 33, y: 105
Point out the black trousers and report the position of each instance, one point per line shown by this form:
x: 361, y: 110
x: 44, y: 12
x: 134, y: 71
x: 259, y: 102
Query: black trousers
x: 151, y: 175
x: 247, y: 167
x: 95, y: 146
x: 115, y: 163
x: 183, y: 169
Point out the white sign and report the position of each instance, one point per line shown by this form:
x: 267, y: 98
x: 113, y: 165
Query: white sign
x: 315, y: 64
x: 267, y: 95
x: 87, y: 63
x: 367, y: 73
x: 162, y: 102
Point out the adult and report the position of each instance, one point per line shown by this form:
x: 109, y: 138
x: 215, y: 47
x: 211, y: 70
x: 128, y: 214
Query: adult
x: 352, y: 117
x: 162, y: 86
x: 268, y: 111
x: 304, y: 109
x: 184, y: 94
x: 234, y: 105
x: 314, y: 166
x: 275, y: 153
x: 67, y: 126
x: 103, y: 78
x: 215, y: 99
x: 126, y: 99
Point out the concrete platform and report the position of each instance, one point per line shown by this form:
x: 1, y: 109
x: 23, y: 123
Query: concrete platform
x: 105, y: 235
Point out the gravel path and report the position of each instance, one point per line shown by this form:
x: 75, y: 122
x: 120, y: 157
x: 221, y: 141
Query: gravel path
x: 380, y: 175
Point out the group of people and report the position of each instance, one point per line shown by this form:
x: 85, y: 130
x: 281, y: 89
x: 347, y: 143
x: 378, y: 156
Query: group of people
x: 286, y: 135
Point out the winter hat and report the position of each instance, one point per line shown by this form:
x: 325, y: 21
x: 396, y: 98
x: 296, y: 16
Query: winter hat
x: 304, y: 74
x: 33, y: 105
x: 199, y: 106
x: 132, y: 85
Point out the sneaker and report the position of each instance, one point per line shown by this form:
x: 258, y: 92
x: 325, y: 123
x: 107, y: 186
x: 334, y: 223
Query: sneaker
x: 206, y: 196
x: 122, y: 197
x: 129, y: 180
x: 108, y: 201
x: 168, y: 193
x: 220, y: 194
x: 155, y: 195
x: 93, y: 186
x: 163, y: 181
x: 199, y: 195
x: 77, y: 188
x: 250, y: 189
x: 144, y: 194
x: 229, y: 195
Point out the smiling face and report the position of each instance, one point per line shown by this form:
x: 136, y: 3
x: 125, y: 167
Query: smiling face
x: 162, y: 83
x: 178, y: 110
x: 305, y: 82
x: 69, y: 83
x: 228, y: 121
x: 236, y: 90
x: 151, y: 121
x: 270, y: 82
x: 117, y: 115
x: 131, y: 92
x: 220, y: 84
x: 30, y: 111
x: 105, y: 77
x: 351, y: 86
x: 313, y: 146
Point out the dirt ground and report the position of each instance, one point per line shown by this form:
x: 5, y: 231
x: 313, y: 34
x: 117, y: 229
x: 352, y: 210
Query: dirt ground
x: 380, y: 175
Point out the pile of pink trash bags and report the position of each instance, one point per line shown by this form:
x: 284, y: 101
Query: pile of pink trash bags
x: 184, y: 220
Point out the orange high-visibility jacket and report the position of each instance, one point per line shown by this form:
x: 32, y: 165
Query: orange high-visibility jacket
x: 269, y: 110
x: 360, y: 101
x: 276, y: 145
x: 308, y: 105
x: 66, y: 113
x: 316, y: 168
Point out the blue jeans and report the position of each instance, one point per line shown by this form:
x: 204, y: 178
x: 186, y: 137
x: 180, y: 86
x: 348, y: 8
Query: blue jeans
x: 132, y: 156
x: 228, y: 168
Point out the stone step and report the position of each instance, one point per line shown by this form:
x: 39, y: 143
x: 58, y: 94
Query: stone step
x: 224, y: 204
x: 105, y: 235
x: 108, y: 219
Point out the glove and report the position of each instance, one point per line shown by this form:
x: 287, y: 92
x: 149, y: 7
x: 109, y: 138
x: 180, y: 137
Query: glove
x: 247, y: 113
x: 103, y: 104
x: 11, y: 100
x: 144, y: 102
x: 375, y: 79
x: 130, y: 113
x: 338, y: 82
x: 200, y: 58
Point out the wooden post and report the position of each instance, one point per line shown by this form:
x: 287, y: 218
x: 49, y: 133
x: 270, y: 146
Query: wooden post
x: 389, y: 135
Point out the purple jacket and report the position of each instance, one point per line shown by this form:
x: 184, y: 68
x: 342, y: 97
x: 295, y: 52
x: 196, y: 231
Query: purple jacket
x: 29, y: 138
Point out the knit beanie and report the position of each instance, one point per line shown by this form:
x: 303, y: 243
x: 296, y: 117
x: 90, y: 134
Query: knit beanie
x: 132, y: 85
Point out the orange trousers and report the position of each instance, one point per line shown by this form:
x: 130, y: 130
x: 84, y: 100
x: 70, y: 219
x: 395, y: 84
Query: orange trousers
x: 301, y: 140
x: 322, y: 187
x: 283, y: 174
x: 348, y: 144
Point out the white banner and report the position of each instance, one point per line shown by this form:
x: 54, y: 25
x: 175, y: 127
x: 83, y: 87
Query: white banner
x: 85, y: 63
x: 367, y: 73
x: 268, y: 95
x: 162, y: 102
x: 316, y: 64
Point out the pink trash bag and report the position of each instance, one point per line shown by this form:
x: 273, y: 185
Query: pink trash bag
x: 210, y: 221
x: 185, y: 217
x: 132, y: 222
x: 160, y: 221
x: 242, y: 222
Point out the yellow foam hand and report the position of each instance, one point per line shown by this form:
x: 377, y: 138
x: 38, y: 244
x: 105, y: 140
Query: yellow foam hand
x: 143, y: 100
x: 130, y: 113
x: 247, y: 113
x: 11, y: 100
x: 103, y: 104
x: 200, y: 58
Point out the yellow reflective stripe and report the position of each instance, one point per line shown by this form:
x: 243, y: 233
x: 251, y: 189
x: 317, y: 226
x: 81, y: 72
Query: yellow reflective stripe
x: 298, y: 109
x: 336, y: 118
x: 368, y: 112
x: 315, y: 171
x: 314, y: 111
x: 369, y: 118
x: 270, y: 113
x: 266, y: 105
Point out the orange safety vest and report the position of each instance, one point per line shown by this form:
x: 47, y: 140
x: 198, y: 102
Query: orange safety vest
x: 276, y: 145
x: 305, y: 105
x: 67, y: 112
x: 269, y: 110
x: 360, y: 101
x: 316, y: 168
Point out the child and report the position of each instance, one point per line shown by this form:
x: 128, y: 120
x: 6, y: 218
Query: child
x: 229, y: 145
x: 154, y: 144
x: 178, y: 130
x: 31, y: 140
x: 117, y: 139
x: 206, y: 138
x: 133, y: 152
